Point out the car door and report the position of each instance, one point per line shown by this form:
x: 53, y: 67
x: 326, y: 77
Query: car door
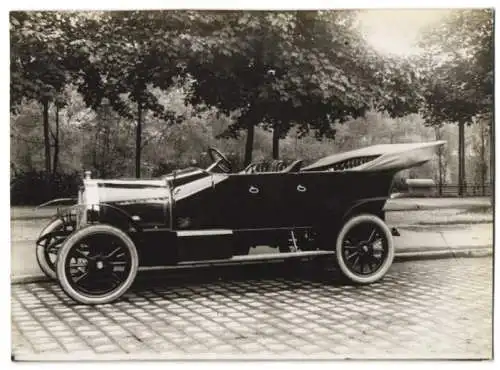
x: 250, y: 201
x: 311, y: 197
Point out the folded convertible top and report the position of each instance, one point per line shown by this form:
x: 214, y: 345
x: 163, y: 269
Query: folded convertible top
x: 378, y: 157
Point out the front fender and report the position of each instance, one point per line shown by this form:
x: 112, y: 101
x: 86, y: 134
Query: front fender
x: 60, y: 232
x: 58, y: 202
x: 53, y: 234
x: 104, y: 213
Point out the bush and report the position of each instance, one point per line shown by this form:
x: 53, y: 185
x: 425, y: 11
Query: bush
x: 164, y: 168
x: 37, y: 187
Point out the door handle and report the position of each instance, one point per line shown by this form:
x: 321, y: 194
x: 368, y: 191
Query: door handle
x: 253, y: 190
x: 301, y: 188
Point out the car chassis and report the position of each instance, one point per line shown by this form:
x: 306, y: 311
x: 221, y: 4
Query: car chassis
x: 199, y: 217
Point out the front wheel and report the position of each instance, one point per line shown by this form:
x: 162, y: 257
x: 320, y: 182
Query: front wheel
x: 364, y: 249
x: 97, y: 264
x: 48, y: 246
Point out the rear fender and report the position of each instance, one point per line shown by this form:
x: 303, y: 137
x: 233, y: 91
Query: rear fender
x: 372, y: 206
x: 330, y: 228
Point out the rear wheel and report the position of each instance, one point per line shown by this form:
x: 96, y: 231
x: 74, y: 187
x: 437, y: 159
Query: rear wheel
x: 97, y: 264
x: 364, y: 249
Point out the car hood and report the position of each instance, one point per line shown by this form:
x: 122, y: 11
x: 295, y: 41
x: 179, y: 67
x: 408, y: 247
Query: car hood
x: 184, y: 176
x: 112, y: 191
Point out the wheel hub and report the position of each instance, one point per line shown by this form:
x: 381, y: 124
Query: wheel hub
x: 99, y: 265
x: 364, y: 249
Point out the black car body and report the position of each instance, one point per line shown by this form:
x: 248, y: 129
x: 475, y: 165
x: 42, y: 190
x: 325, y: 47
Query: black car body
x: 199, y: 216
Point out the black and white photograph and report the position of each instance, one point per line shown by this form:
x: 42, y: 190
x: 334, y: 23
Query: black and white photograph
x: 251, y: 184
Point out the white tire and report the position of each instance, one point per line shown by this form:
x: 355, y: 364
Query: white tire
x: 383, y: 245
x: 94, y: 265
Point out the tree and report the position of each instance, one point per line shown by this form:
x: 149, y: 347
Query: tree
x: 477, y: 136
x: 26, y: 133
x: 284, y: 69
x: 458, y: 66
x: 126, y: 54
x: 58, y: 104
x: 37, y: 63
x: 43, y: 61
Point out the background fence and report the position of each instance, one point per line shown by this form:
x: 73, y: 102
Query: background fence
x: 468, y: 190
x: 450, y: 190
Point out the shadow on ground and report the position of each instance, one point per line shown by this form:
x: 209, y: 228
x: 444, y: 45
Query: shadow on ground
x: 320, y: 271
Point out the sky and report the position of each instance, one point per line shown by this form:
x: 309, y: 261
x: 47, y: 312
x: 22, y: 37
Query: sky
x: 395, y: 31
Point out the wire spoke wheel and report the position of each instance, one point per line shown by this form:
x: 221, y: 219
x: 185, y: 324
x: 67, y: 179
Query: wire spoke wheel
x: 364, y: 249
x: 97, y: 265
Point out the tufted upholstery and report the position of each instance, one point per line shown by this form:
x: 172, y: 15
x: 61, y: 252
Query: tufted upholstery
x: 273, y: 166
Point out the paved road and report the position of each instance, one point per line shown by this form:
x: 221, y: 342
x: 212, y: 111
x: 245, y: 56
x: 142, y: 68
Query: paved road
x: 426, y: 309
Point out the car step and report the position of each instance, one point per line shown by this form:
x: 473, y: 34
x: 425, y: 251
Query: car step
x: 252, y: 258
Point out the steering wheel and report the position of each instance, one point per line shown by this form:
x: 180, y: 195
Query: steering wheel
x: 220, y: 160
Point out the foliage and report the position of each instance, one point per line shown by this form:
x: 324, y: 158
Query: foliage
x: 168, y: 84
x: 458, y: 67
x: 130, y: 52
x: 281, y: 69
x: 37, y: 55
x: 185, y: 144
x: 310, y: 69
x: 458, y: 74
x: 60, y: 185
x: 42, y: 62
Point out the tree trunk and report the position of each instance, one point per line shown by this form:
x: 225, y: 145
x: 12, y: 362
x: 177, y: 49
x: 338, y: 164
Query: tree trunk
x: 440, y: 162
x: 461, y: 158
x: 56, y: 143
x: 249, y: 143
x: 138, y: 138
x: 276, y: 141
x: 483, y: 159
x: 46, y: 136
x: 95, y: 153
x: 106, y: 148
x: 492, y: 159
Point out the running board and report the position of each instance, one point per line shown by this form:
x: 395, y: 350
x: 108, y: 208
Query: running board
x: 253, y: 258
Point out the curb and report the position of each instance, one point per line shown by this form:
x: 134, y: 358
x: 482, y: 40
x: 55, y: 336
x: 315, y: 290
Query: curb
x: 26, y: 279
x: 453, y: 224
x: 427, y: 207
x: 443, y: 253
x: 410, y: 254
x: 31, y: 218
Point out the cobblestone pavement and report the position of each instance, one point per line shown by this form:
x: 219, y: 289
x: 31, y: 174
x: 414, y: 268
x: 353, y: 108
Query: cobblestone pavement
x: 425, y: 309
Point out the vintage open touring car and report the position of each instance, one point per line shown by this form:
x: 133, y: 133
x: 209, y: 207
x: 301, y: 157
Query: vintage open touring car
x: 195, y: 216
